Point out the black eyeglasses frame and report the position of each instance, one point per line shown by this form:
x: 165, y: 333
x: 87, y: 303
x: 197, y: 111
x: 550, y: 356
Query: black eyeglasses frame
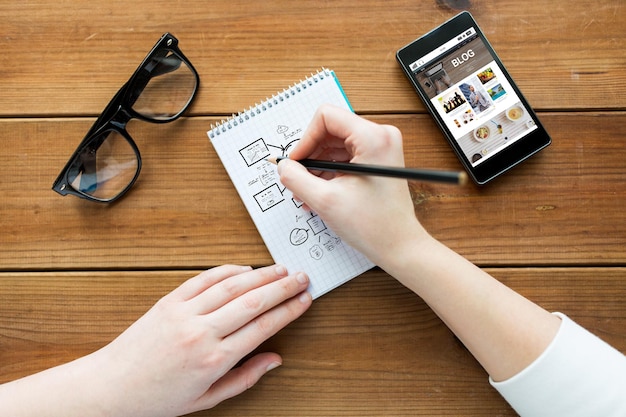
x: 119, y: 112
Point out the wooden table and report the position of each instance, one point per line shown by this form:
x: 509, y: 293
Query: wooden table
x: 74, y: 274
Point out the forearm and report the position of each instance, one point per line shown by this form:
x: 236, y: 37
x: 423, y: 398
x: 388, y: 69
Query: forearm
x: 504, y: 331
x: 76, y: 388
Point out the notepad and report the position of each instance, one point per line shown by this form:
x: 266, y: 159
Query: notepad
x: 295, y: 237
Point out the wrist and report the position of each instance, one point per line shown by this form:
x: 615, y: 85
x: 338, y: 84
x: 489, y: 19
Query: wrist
x: 422, y: 263
x: 70, y: 389
x: 405, y: 251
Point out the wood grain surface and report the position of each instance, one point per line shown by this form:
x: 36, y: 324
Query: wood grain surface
x: 74, y: 274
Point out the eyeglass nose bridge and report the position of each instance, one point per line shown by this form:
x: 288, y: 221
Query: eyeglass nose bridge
x: 117, y: 122
x: 121, y: 118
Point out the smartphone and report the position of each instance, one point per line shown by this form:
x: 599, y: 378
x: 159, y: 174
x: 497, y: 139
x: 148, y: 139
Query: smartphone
x: 466, y: 88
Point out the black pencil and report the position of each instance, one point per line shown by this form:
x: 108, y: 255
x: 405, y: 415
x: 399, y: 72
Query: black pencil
x: 452, y: 177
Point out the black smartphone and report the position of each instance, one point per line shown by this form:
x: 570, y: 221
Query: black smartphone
x: 472, y: 97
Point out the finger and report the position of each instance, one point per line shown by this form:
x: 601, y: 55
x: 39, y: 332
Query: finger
x: 370, y: 142
x: 254, y: 303
x: 238, y: 380
x: 196, y: 285
x: 234, y: 286
x: 328, y: 129
x: 315, y: 191
x: 251, y: 335
x: 336, y: 131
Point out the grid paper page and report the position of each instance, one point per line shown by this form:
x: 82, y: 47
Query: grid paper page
x: 296, y: 238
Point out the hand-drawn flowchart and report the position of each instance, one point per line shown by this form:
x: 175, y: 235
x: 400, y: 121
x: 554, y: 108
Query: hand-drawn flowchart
x: 295, y: 236
x: 308, y: 230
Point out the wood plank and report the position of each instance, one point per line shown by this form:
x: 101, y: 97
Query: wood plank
x: 368, y: 348
x: 562, y: 207
x: 71, y: 60
x: 74, y: 274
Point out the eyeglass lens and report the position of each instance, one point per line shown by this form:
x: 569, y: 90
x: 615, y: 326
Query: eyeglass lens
x: 169, y: 89
x: 105, y: 169
x: 110, y: 163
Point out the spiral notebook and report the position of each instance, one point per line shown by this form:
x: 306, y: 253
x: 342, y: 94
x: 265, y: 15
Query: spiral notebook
x: 296, y: 238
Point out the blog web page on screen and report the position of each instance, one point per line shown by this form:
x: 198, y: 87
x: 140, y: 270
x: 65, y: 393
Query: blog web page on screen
x: 473, y: 97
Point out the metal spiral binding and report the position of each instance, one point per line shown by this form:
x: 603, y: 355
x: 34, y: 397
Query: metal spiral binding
x: 275, y: 100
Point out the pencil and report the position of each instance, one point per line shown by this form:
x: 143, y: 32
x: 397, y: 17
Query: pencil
x: 451, y: 177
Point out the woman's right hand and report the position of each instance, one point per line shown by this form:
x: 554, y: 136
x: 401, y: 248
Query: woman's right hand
x: 373, y: 214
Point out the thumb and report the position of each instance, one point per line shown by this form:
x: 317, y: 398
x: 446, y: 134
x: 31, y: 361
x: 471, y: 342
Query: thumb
x: 238, y: 380
x: 306, y: 186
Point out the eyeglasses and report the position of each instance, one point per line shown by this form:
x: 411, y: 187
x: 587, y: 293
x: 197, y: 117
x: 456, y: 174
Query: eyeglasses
x: 107, y: 162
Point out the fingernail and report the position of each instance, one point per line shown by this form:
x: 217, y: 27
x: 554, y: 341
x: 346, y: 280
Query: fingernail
x: 302, y: 278
x: 281, y: 270
x: 273, y: 365
x: 305, y: 297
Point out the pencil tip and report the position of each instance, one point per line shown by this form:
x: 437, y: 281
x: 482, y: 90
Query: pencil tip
x: 271, y: 160
x: 462, y: 178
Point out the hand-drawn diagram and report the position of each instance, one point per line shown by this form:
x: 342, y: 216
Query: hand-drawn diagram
x: 325, y: 238
x: 295, y: 236
x: 269, y: 193
x: 269, y: 197
x: 317, y: 225
x: 298, y: 236
x: 316, y: 252
x: 267, y: 174
x: 255, y: 152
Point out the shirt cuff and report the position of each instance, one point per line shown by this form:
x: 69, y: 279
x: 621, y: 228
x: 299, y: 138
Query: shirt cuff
x: 577, y: 375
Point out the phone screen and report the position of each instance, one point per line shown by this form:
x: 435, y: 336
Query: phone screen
x: 473, y: 97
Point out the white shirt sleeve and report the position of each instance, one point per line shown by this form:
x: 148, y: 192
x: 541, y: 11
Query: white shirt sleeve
x: 577, y: 375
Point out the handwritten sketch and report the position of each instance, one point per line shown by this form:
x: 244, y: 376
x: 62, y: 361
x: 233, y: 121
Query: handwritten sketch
x: 316, y: 252
x: 332, y: 242
x: 295, y: 236
x: 269, y: 197
x: 269, y: 193
x: 267, y: 174
x: 255, y: 152
x: 317, y: 225
x: 298, y: 236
